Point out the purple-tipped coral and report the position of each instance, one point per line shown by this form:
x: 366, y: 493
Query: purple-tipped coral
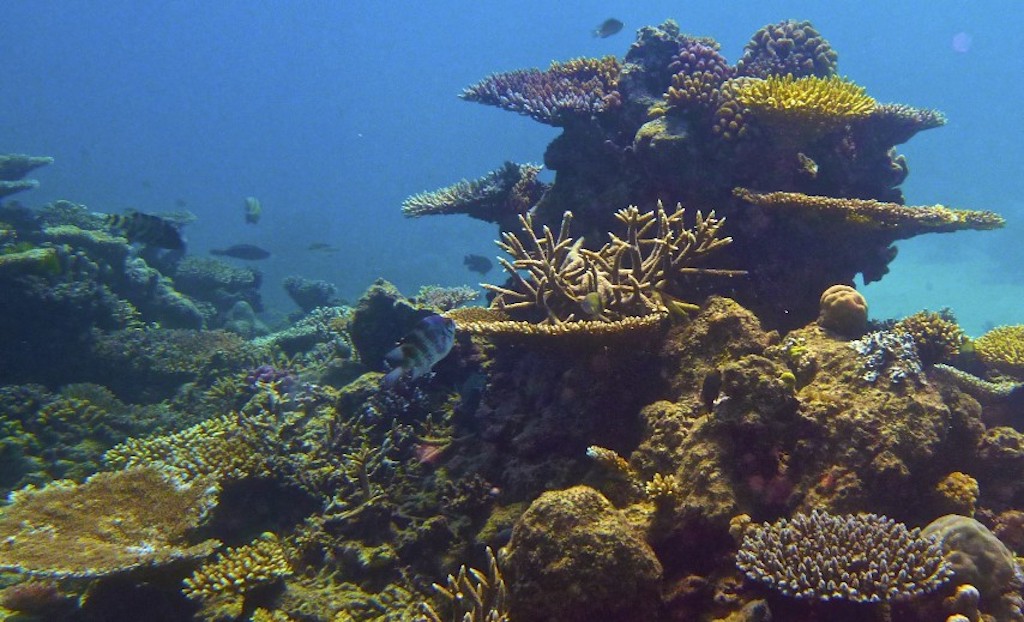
x: 581, y: 87
x: 789, y: 47
x: 498, y: 197
x: 699, y: 72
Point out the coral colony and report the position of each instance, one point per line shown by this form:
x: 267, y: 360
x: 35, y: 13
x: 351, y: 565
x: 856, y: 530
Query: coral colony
x: 674, y: 407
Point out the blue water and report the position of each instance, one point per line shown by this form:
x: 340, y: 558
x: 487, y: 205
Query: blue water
x: 331, y: 113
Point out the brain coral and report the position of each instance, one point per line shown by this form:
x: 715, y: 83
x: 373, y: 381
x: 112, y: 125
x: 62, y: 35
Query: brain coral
x: 843, y: 310
x: 860, y: 558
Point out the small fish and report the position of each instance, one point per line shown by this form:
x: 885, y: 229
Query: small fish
x: 429, y: 342
x: 807, y: 166
x: 322, y: 246
x: 608, y: 28
x: 249, y: 252
x: 147, y: 229
x: 477, y: 263
x: 253, y: 210
x: 592, y: 304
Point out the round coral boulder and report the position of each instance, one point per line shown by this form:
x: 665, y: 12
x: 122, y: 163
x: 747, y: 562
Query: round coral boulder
x: 574, y: 556
x: 843, y: 310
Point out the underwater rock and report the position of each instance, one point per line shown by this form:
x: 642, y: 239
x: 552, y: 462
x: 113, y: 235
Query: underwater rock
x: 381, y: 318
x: 574, y: 557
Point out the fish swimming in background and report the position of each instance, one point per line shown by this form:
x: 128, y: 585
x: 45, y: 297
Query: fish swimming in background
x: 249, y: 252
x: 429, y: 342
x: 147, y: 229
x: 608, y: 28
x: 323, y: 247
x: 477, y: 263
x: 253, y: 210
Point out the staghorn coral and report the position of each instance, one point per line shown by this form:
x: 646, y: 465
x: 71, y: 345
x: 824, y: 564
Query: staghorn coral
x: 937, y: 335
x: 473, y: 596
x: 498, y: 196
x: 1002, y: 349
x: 627, y: 277
x: 215, y: 448
x: 843, y: 310
x: 804, y: 104
x: 112, y: 523
x: 578, y: 88
x: 221, y: 585
x: 860, y: 558
x: 787, y: 48
x: 896, y: 221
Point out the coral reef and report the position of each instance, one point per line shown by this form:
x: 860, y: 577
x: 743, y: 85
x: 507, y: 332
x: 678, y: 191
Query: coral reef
x: 100, y: 527
x: 861, y: 558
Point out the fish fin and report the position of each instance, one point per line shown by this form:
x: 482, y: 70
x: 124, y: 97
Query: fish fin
x: 392, y: 377
x: 396, y: 355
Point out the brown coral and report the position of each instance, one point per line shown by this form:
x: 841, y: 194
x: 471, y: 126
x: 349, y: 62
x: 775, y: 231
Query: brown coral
x: 937, y: 335
x: 788, y: 47
x: 498, y: 196
x: 1002, y: 349
x: 843, y: 310
x: 112, y: 523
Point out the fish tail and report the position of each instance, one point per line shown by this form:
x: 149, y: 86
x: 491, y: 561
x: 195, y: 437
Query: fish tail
x: 391, y: 378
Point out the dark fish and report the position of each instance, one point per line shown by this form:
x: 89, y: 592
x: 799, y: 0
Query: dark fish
x: 322, y: 246
x: 608, y: 28
x: 477, y: 263
x: 429, y: 342
x: 253, y: 210
x: 249, y: 252
x: 147, y: 229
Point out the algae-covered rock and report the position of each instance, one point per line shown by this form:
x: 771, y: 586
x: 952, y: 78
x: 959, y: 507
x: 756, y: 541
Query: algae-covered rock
x: 573, y: 556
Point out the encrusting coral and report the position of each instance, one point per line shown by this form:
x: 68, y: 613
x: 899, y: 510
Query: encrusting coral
x: 861, y: 558
x: 112, y: 523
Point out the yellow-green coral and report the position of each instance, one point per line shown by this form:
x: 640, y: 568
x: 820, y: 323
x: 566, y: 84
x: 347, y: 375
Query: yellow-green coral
x: 221, y: 585
x: 216, y: 447
x: 1002, y: 349
x: 813, y: 100
x: 112, y: 523
x: 959, y: 493
x: 473, y: 596
x: 937, y: 335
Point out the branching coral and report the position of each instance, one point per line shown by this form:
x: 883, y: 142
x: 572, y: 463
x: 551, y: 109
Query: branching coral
x: 937, y: 335
x: 699, y: 72
x: 861, y: 558
x: 806, y: 103
x: 498, y: 196
x: 627, y: 277
x: 112, y: 523
x: 789, y: 47
x: 446, y: 298
x: 1002, y: 349
x: 896, y: 220
x: 581, y: 87
x: 221, y: 585
x: 472, y: 595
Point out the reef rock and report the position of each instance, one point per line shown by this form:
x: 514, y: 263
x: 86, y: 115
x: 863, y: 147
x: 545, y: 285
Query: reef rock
x: 573, y: 556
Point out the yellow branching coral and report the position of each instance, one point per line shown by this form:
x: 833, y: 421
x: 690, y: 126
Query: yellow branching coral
x: 216, y: 447
x: 937, y: 335
x: 810, y: 100
x: 221, y: 585
x: 473, y: 596
x: 1002, y: 349
x: 114, y: 522
x: 899, y: 221
x: 627, y: 277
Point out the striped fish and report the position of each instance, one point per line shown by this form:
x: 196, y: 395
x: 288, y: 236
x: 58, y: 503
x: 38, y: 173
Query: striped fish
x: 429, y: 342
x: 147, y: 229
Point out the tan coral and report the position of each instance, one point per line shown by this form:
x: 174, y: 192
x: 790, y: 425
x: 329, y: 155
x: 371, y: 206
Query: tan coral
x: 1002, y: 349
x: 216, y: 447
x: 937, y: 335
x: 898, y: 221
x: 478, y: 597
x: 221, y: 585
x: 959, y: 493
x: 114, y: 522
x: 843, y: 310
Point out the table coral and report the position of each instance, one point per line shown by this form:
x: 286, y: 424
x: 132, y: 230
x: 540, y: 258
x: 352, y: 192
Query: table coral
x: 860, y: 558
x: 810, y: 103
x: 114, y: 522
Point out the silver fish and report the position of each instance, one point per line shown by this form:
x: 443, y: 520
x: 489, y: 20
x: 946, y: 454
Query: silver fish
x: 429, y: 342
